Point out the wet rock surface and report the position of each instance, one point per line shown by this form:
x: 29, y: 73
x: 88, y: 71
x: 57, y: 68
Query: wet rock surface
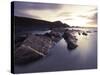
x: 70, y: 39
x: 24, y: 55
x: 54, y: 36
x: 19, y: 39
x: 35, y: 46
x: 84, y: 33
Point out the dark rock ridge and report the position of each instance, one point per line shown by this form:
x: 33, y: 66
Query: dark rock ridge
x: 27, y: 23
x: 71, y: 39
x: 84, y: 33
x: 35, y: 47
x: 19, y: 39
x: 88, y: 31
x: 31, y: 47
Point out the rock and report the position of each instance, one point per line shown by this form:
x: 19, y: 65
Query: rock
x: 79, y: 33
x: 24, y: 55
x: 95, y: 31
x: 35, y: 47
x: 55, y: 36
x: 84, y: 33
x: 88, y: 31
x: 70, y: 39
x: 19, y: 39
x: 71, y: 45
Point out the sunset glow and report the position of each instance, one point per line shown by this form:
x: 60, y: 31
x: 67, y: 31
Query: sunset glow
x: 77, y: 21
x: 74, y: 15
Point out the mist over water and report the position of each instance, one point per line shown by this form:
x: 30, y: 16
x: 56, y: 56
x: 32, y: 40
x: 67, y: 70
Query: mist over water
x: 60, y: 58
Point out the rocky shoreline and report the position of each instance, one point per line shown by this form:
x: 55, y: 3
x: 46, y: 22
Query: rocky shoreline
x: 70, y: 39
x: 32, y: 47
x: 35, y: 47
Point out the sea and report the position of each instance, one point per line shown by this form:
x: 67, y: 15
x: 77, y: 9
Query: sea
x: 60, y: 58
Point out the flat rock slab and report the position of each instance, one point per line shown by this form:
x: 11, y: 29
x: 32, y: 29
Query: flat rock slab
x: 39, y: 43
x: 71, y: 39
x: 35, y: 47
x: 32, y: 48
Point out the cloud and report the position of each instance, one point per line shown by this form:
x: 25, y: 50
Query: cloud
x: 23, y: 8
x: 35, y: 6
x: 23, y: 14
x: 68, y: 19
x: 54, y: 12
x: 92, y: 10
x: 93, y: 19
x: 67, y: 14
x: 91, y: 15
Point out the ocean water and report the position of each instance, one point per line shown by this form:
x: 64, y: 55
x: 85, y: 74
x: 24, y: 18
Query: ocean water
x: 60, y: 58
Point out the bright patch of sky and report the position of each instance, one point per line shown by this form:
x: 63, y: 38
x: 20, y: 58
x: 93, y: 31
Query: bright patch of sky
x: 74, y: 15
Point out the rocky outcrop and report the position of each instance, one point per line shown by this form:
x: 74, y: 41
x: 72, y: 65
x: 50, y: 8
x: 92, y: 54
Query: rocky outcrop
x: 54, y: 36
x: 70, y: 39
x: 35, y: 46
x: 23, y: 24
x: 79, y: 33
x: 84, y: 33
x: 88, y: 31
x: 19, y: 39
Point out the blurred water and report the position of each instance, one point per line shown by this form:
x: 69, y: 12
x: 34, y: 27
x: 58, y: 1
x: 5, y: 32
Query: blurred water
x: 60, y: 58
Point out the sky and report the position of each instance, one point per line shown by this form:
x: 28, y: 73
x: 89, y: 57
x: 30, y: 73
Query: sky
x: 74, y: 15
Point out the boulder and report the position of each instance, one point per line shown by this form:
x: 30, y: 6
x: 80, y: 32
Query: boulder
x: 35, y: 46
x: 54, y: 36
x: 79, y: 33
x: 88, y: 31
x: 32, y: 48
x: 24, y: 54
x: 71, y: 39
x: 19, y: 39
x: 84, y: 33
x: 95, y: 31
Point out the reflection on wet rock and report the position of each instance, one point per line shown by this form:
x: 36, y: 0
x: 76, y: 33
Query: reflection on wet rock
x: 35, y: 46
x: 84, y: 33
x: 70, y: 39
